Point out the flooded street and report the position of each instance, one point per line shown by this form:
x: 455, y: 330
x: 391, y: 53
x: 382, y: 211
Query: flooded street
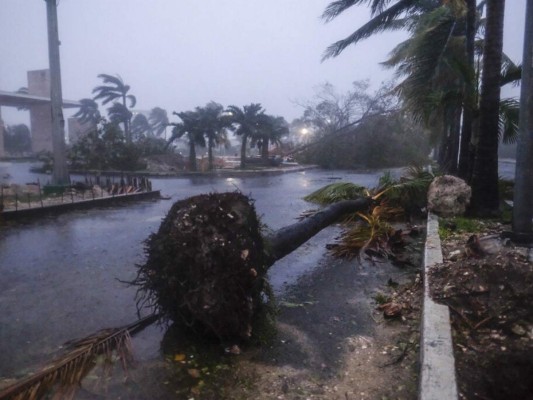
x: 60, y: 276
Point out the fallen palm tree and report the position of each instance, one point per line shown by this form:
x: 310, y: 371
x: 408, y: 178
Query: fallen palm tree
x: 206, y: 265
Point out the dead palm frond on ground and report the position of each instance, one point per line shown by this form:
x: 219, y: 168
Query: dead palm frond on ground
x: 62, y: 377
x: 370, y: 233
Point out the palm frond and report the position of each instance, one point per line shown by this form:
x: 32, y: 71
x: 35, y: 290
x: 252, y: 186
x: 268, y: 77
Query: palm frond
x: 132, y: 99
x: 385, y: 20
x: 508, y: 120
x: 335, y: 192
x: 511, y: 73
x: 409, y: 191
x: 114, y: 80
x: 370, y: 233
x: 64, y: 374
x: 335, y: 8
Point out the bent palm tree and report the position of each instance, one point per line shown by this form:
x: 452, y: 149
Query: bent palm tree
x: 88, y: 112
x: 119, y: 114
x: 158, y: 119
x: 112, y: 90
x: 140, y: 127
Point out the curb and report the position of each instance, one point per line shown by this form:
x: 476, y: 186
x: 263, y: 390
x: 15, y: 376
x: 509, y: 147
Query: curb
x: 437, y: 364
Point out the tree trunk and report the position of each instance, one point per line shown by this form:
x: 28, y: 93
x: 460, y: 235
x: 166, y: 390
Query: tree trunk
x: 192, y: 156
x: 485, y: 198
x: 289, y: 238
x: 210, y: 145
x: 243, y: 151
x: 127, y: 130
x: 523, y: 190
x: 264, y: 148
x: 469, y: 103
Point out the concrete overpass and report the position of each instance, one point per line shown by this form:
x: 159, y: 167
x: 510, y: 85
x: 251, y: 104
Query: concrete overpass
x: 38, y: 102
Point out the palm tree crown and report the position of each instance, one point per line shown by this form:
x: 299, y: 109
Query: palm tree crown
x: 88, y: 112
x: 158, y: 119
x: 192, y: 129
x: 115, y: 90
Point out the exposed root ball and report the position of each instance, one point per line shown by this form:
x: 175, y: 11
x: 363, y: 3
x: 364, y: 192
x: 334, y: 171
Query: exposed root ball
x: 205, y: 265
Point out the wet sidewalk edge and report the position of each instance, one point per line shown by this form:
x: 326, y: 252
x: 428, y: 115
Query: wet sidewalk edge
x: 34, y: 212
x: 437, y: 363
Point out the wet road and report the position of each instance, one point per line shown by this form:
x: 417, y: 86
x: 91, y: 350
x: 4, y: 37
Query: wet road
x: 59, y: 277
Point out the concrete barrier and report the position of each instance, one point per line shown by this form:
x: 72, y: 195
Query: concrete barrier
x: 437, y: 363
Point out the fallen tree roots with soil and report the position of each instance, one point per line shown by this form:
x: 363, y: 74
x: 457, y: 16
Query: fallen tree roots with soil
x: 207, y: 263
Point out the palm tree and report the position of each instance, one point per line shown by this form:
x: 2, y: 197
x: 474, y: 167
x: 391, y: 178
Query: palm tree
x: 119, y: 114
x: 158, y: 119
x: 432, y: 60
x: 247, y: 121
x: 190, y: 127
x: 272, y: 129
x: 485, y: 197
x: 112, y: 90
x: 88, y: 112
x: 214, y: 124
x: 140, y: 127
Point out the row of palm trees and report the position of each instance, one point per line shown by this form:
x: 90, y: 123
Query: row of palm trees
x: 209, y: 127
x: 115, y: 91
x: 206, y: 126
x: 453, y: 67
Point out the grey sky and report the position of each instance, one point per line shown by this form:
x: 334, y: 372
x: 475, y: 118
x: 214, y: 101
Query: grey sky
x: 179, y: 54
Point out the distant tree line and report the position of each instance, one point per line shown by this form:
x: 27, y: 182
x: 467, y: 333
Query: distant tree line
x: 17, y: 139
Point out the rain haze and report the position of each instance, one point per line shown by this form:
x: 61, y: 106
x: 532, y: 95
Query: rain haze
x: 181, y: 54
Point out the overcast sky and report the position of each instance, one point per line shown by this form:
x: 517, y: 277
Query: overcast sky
x: 179, y: 54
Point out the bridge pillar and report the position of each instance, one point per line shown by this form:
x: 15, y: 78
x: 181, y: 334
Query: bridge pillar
x: 40, y: 115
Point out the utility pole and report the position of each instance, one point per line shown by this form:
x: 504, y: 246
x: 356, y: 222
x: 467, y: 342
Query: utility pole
x: 60, y: 175
x: 523, y: 190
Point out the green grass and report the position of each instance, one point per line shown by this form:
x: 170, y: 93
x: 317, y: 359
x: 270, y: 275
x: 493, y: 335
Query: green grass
x: 449, y: 226
x: 381, y: 298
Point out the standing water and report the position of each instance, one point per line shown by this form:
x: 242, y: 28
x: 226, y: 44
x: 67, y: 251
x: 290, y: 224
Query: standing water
x: 62, y: 277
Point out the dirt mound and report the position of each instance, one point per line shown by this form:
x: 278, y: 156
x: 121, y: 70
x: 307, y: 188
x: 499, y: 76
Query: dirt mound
x: 205, y: 266
x: 491, y: 300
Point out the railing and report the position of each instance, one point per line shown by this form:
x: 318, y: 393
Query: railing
x: 16, y: 197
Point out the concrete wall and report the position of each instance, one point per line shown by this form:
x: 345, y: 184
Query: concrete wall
x: 40, y: 115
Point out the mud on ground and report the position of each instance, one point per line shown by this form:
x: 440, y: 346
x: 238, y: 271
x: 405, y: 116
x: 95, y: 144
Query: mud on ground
x: 333, y: 343
x: 330, y: 342
x: 488, y: 285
